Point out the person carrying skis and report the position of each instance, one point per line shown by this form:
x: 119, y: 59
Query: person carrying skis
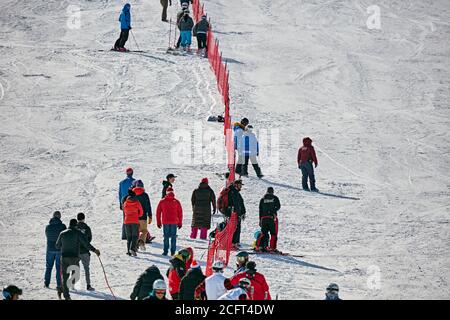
x: 259, y: 287
x: 268, y: 221
x: 249, y: 150
x: 241, y: 292
x: 332, y: 292
x: 241, y: 261
x: 143, y: 198
x: 145, y: 282
x: 170, y: 179
x: 200, y: 31
x: 124, y: 186
x: 165, y: 4
x: 158, y: 292
x: 305, y: 158
x: 85, y: 255
x: 185, y: 25
x: 69, y: 242
x: 169, y: 216
x: 194, y: 277
x: 202, y: 199
x: 238, y: 130
x: 125, y: 27
x: 176, y: 272
x: 53, y: 255
x: 132, y: 209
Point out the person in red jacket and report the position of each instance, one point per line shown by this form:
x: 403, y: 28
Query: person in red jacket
x: 305, y: 158
x: 177, y: 271
x: 132, y: 210
x: 169, y: 215
x: 259, y: 289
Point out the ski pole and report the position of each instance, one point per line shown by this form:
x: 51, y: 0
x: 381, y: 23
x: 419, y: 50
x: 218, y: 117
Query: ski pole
x: 106, y: 279
x: 135, y: 40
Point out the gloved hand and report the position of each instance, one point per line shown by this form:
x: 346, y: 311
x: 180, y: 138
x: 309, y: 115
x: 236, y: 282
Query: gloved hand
x: 149, y: 220
x: 260, y: 223
x: 159, y: 226
x: 130, y: 28
x: 243, y: 217
x: 315, y: 165
x: 214, y: 211
x: 97, y: 252
x: 179, y: 226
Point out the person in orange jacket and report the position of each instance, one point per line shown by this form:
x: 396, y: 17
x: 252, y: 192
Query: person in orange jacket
x: 132, y: 210
x: 305, y: 158
x: 169, y: 216
x: 259, y: 289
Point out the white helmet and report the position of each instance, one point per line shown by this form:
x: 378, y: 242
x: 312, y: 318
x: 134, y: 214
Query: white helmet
x: 333, y: 287
x: 218, y: 265
x: 185, y: 5
x: 159, y: 285
x: 249, y: 128
x: 244, y: 283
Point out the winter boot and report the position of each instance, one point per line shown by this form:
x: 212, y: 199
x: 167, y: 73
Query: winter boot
x: 133, y: 253
x: 257, y: 170
x: 141, y: 245
x: 90, y: 288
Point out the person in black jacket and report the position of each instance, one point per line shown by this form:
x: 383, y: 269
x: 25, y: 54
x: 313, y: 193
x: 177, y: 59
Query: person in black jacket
x: 85, y: 255
x: 268, y: 221
x: 53, y: 255
x: 201, y: 31
x: 70, y: 241
x: 193, y: 278
x: 144, y: 284
x: 236, y: 204
x: 170, y: 179
x: 146, y: 218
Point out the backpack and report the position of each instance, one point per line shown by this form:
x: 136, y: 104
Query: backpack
x: 222, y: 201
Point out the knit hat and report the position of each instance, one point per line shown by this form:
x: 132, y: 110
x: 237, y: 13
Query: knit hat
x: 57, y: 214
x: 138, y: 184
x: 205, y: 180
x: 73, y: 223
x: 195, y: 264
x: 81, y: 216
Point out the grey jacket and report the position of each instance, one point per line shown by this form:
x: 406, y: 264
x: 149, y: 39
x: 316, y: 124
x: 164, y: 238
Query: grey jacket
x: 186, y: 24
x: 201, y: 27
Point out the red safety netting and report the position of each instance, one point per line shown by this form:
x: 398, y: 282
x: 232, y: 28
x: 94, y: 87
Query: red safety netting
x: 220, y: 248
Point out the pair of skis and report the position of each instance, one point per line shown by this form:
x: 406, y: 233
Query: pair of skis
x: 251, y: 251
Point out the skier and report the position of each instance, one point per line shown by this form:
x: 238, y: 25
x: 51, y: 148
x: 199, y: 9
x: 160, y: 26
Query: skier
x: 145, y: 282
x: 249, y: 150
x: 165, y: 4
x: 69, y: 242
x: 53, y: 255
x: 238, y: 130
x: 194, y: 276
x: 132, y: 209
x: 241, y: 261
x: 260, y: 288
x: 180, y: 14
x: 185, y: 25
x: 124, y: 186
x: 170, y: 179
x: 11, y: 292
x: 143, y: 198
x: 85, y: 255
x: 268, y: 221
x: 305, y: 158
x: 200, y: 31
x: 332, y: 292
x: 176, y: 272
x: 125, y: 27
x: 158, y: 292
x: 238, y: 293
x: 202, y: 199
x: 169, y: 215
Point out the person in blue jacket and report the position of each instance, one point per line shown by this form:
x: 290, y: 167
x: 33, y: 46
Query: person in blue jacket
x: 124, y: 186
x: 125, y: 27
x: 53, y: 255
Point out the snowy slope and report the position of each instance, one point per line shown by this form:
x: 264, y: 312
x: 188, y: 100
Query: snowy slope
x: 375, y: 102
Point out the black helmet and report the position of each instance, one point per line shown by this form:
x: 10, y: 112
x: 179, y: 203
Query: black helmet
x: 242, y: 258
x: 10, y: 291
x: 185, y: 253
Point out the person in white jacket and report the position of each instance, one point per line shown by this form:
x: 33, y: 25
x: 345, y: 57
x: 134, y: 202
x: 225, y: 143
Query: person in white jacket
x: 248, y: 149
x: 238, y: 293
x: 215, y: 284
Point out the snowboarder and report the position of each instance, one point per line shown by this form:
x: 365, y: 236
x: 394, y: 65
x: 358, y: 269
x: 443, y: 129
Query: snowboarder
x: 249, y: 150
x: 332, y: 292
x: 53, y: 255
x: 143, y: 198
x: 132, y: 209
x: 260, y: 288
x: 268, y: 221
x: 125, y: 27
x: 238, y: 293
x: 11, y: 292
x: 69, y: 242
x: 180, y: 14
x: 169, y: 215
x: 200, y: 31
x: 194, y: 276
x: 241, y: 261
x: 176, y: 272
x: 165, y: 4
x: 144, y: 284
x: 85, y: 255
x: 170, y: 179
x: 202, y: 199
x: 124, y: 186
x: 158, y: 292
x: 238, y: 130
x: 185, y: 25
x: 305, y: 158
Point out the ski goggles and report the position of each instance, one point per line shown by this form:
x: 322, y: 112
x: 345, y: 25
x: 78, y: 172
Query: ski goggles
x: 241, y: 259
x: 160, y: 291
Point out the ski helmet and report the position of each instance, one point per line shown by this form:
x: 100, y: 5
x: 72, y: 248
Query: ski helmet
x: 244, y: 283
x: 159, y: 285
x: 242, y: 258
x: 257, y: 234
x: 249, y: 128
x: 333, y: 287
x: 218, y: 265
x: 185, y: 5
x: 10, y: 291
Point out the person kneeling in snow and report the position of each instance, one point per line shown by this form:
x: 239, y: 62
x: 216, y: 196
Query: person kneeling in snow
x: 268, y: 221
